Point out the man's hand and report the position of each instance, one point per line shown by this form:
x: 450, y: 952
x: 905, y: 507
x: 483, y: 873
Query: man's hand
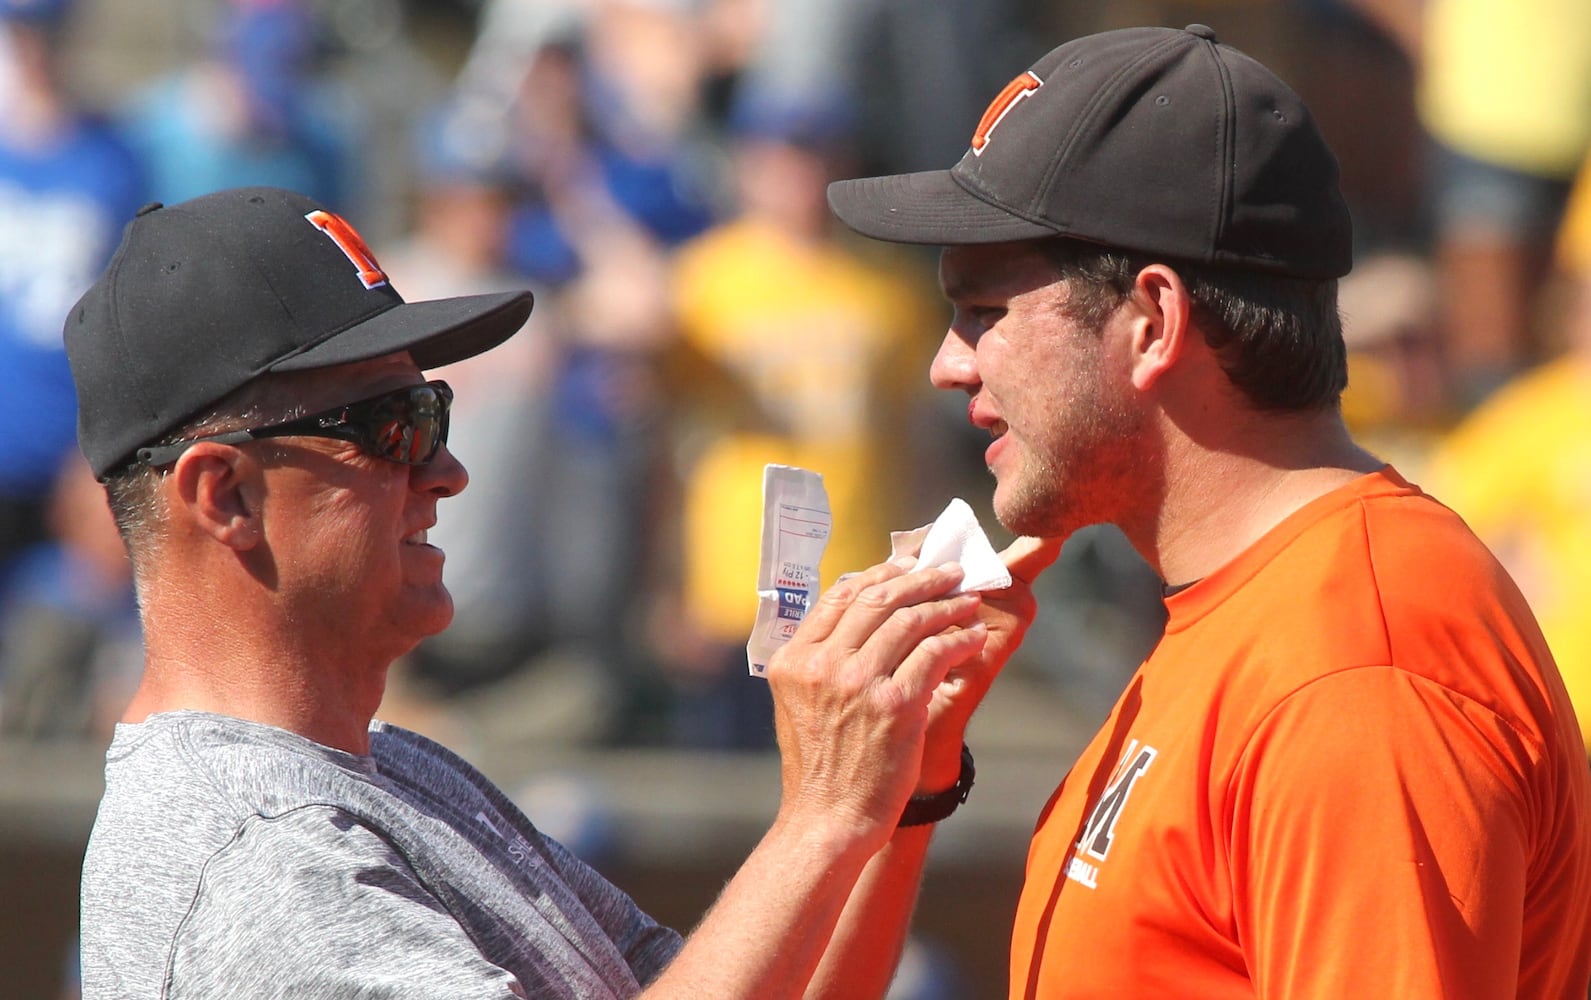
x: 852, y: 690
x: 1006, y: 614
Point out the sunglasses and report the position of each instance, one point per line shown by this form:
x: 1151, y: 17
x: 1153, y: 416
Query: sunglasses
x: 406, y: 426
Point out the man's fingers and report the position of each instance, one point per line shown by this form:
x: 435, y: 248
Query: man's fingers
x: 933, y: 659
x: 1027, y: 557
x: 832, y: 604
x: 877, y: 606
x: 907, y: 627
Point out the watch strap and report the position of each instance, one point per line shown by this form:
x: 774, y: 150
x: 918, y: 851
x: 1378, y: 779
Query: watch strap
x: 923, y: 809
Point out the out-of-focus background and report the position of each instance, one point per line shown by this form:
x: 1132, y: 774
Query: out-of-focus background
x: 654, y: 170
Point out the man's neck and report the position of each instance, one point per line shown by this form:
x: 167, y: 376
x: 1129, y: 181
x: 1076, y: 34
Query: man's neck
x: 328, y: 702
x: 1222, y: 499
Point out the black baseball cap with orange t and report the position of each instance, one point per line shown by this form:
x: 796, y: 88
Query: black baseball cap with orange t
x: 1156, y: 140
x: 206, y: 295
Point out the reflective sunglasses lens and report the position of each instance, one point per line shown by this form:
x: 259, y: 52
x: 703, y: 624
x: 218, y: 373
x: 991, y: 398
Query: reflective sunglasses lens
x: 409, y: 426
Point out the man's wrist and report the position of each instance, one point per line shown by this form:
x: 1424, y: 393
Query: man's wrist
x: 933, y: 807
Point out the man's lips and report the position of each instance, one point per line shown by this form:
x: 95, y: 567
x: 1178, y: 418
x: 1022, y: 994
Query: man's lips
x: 991, y: 453
x: 990, y: 421
x: 983, y: 417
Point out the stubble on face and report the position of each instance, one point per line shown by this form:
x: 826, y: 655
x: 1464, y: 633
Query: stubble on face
x: 1081, y: 443
x: 1074, y: 436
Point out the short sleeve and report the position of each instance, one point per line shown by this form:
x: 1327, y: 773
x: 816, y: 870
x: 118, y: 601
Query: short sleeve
x: 646, y: 945
x: 1379, y: 830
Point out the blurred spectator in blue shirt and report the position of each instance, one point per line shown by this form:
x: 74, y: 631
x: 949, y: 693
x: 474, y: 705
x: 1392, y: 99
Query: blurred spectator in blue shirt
x: 255, y: 110
x: 66, y: 188
x: 598, y: 111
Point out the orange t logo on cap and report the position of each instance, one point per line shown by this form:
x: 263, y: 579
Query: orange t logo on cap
x: 1013, y: 94
x: 351, y: 244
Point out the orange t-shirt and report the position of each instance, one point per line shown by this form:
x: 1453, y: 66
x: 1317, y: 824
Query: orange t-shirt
x: 1348, y: 770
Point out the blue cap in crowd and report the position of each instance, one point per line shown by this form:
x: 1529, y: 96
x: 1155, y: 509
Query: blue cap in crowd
x: 37, y: 11
x: 819, y: 121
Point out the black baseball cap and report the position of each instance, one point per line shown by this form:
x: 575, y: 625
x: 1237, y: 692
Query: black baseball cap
x: 1158, y: 140
x: 204, y: 296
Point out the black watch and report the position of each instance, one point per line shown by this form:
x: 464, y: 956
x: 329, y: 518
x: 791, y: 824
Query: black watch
x: 921, y: 809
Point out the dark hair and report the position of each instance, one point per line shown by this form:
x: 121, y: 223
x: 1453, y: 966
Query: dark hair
x: 1279, y: 338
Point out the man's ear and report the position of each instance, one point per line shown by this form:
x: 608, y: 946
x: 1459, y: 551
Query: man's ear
x: 1161, y: 336
x: 218, y: 486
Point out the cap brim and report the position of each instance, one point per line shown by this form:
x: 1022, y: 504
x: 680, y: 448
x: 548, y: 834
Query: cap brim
x: 926, y: 208
x: 436, y: 332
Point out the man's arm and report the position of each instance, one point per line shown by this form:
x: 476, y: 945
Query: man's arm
x: 866, y: 947
x: 852, y: 691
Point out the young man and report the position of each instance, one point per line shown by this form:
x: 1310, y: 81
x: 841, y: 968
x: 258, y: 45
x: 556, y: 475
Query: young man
x: 251, y: 395
x: 1350, y: 768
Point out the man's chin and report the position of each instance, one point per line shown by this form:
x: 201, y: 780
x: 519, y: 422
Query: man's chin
x: 432, y: 614
x: 1035, y: 516
x: 1012, y: 509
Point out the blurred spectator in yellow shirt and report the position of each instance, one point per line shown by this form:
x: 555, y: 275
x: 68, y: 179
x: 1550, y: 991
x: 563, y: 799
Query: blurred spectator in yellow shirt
x: 793, y: 349
x: 1519, y: 471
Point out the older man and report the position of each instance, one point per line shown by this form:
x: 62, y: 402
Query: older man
x: 251, y: 394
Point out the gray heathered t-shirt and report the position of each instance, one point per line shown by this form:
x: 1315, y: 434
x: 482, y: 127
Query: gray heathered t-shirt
x: 231, y: 859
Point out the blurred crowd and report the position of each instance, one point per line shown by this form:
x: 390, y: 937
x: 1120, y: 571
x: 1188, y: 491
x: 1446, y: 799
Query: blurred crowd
x: 655, y: 171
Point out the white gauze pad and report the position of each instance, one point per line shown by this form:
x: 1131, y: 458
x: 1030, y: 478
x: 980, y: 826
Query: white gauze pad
x: 955, y: 536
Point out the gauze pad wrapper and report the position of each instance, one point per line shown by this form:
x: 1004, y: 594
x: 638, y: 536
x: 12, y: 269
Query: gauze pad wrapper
x: 955, y: 537
x: 795, y: 531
